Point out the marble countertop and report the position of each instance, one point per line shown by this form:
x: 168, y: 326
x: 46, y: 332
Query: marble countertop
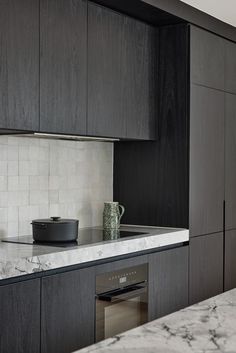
x: 21, y: 259
x: 207, y: 327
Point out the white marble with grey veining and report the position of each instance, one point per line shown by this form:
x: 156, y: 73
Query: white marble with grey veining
x: 18, y: 259
x: 207, y: 327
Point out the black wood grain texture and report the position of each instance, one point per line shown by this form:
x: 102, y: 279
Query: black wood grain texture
x: 151, y: 178
x: 230, y: 260
x: 168, y: 282
x: 230, y: 161
x: 205, y: 267
x: 63, y: 66
x: 142, y: 11
x: 122, y: 71
x: 206, y: 160
x: 68, y: 306
x: 207, y: 58
x: 230, y: 67
x: 160, y: 12
x: 19, y: 64
x: 20, y: 317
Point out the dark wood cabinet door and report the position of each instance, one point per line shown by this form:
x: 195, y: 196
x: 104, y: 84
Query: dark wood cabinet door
x: 19, y: 64
x: 205, y: 267
x: 168, y: 282
x: 206, y: 58
x: 206, y: 160
x: 121, y: 75
x: 20, y: 317
x: 63, y: 66
x: 230, y: 67
x: 230, y: 161
x: 230, y: 260
x: 151, y: 178
x: 68, y: 307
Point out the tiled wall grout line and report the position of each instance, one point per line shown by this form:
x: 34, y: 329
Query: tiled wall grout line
x: 41, y: 178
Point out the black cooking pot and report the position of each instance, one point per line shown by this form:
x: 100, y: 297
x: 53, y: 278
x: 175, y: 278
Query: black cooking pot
x: 55, y: 229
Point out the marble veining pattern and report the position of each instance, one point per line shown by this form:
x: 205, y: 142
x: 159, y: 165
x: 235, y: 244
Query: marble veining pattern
x: 19, y: 259
x: 207, y: 327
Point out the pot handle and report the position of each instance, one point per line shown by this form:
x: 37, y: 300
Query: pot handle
x: 122, y: 211
x: 55, y: 219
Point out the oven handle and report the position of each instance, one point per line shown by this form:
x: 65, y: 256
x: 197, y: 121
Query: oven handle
x: 124, y: 294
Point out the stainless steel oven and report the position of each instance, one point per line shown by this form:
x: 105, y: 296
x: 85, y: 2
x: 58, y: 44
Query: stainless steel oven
x: 121, y: 301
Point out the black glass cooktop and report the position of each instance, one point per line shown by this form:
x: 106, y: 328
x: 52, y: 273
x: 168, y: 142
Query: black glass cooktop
x: 86, y: 236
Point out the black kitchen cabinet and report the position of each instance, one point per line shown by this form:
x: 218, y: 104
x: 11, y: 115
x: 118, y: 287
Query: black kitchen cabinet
x: 230, y: 67
x: 205, y: 267
x: 19, y: 64
x: 68, y: 309
x: 230, y: 260
x: 206, y: 58
x: 20, y: 317
x: 151, y: 178
x: 168, y: 282
x: 206, y: 160
x: 122, y: 71
x: 63, y: 66
x: 230, y: 161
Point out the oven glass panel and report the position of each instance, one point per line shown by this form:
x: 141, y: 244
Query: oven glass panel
x: 113, y: 318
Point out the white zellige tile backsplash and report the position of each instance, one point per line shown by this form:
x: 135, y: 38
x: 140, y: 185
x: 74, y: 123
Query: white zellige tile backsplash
x: 42, y: 178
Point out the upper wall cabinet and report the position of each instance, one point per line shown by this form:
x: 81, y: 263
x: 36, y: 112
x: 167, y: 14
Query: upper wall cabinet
x: 121, y: 75
x: 63, y: 66
x: 207, y: 58
x: 19, y: 64
x: 230, y: 67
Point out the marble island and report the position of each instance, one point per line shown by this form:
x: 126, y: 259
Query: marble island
x: 207, y: 327
x: 24, y: 259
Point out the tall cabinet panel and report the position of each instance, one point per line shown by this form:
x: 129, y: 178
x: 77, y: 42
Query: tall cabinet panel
x: 206, y: 160
x: 20, y: 317
x: 168, y: 282
x: 230, y: 259
x: 19, y: 64
x: 121, y: 75
x: 63, y: 66
x: 230, y: 67
x: 207, y: 58
x: 68, y: 309
x: 205, y: 267
x: 230, y: 161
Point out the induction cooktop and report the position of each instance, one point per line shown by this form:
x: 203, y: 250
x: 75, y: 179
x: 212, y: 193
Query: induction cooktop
x: 86, y: 236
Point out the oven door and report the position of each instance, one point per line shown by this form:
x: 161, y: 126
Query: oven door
x: 120, y: 310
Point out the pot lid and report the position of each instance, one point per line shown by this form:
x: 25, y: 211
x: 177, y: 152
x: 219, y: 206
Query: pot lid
x: 54, y: 220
